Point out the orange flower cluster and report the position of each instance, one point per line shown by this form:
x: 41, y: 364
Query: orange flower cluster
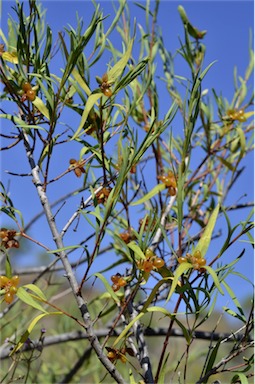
x: 103, y: 195
x: 170, y: 182
x: 118, y: 282
x: 119, y: 354
x: 10, y: 287
x: 105, y: 86
x: 29, y: 93
x: 7, y: 236
x: 151, y: 262
x: 127, y: 236
x: 196, y: 260
x: 236, y: 114
x: 77, y: 166
x: 146, y: 223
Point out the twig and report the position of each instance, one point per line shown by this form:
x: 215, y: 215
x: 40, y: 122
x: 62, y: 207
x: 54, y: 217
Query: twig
x: 104, y: 332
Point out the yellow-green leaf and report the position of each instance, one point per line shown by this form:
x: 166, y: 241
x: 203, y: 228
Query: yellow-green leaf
x: 215, y: 278
x: 92, y: 99
x: 10, y: 56
x: 26, y: 297
x: 36, y: 290
x: 81, y: 82
x: 248, y: 114
x: 107, y: 286
x: 137, y: 250
x: 39, y: 104
x: 241, y: 139
x: 118, y: 68
x: 226, y: 163
x: 125, y: 331
x: 154, y: 292
x: 183, y: 267
x: 131, y: 377
x: 205, y: 239
x: 154, y: 191
x: 31, y: 326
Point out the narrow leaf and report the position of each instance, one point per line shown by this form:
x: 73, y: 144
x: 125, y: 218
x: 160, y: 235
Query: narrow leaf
x: 25, y: 296
x: 125, y: 331
x: 137, y: 250
x: 205, y: 239
x: 10, y: 56
x: 36, y: 290
x: 215, y: 278
x: 81, y: 82
x: 92, y: 99
x: 158, y: 188
x: 65, y: 248
x: 118, y: 68
x: 31, y: 326
x: 26, y: 334
x: 38, y: 103
x: 183, y: 267
x: 107, y: 286
x: 240, y: 377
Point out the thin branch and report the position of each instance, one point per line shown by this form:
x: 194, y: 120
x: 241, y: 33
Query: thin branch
x: 104, y: 332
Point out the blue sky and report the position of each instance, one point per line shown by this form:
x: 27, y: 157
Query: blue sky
x: 229, y: 26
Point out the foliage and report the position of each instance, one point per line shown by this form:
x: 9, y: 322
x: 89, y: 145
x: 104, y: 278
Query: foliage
x: 143, y: 218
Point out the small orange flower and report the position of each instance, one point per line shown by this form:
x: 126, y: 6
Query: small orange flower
x: 7, y: 236
x: 105, y: 86
x: 170, y: 182
x: 10, y: 287
x: 119, y: 354
x: 147, y: 223
x: 102, y: 195
x: 151, y: 262
x: 77, y: 166
x: 127, y: 236
x: 236, y: 114
x: 196, y: 260
x: 118, y: 282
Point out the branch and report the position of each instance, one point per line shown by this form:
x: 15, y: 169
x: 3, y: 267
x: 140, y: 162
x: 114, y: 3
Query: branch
x: 102, y: 333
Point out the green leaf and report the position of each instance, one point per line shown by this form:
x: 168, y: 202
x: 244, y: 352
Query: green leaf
x: 26, y: 297
x: 154, y: 292
x: 183, y: 267
x: 36, y: 290
x: 161, y: 379
x: 131, y: 377
x: 8, y: 267
x: 241, y: 139
x: 127, y: 328
x: 158, y: 188
x: 31, y: 326
x: 193, y: 31
x: 107, y: 286
x: 205, y: 239
x: 226, y: 163
x: 39, y: 104
x: 118, y: 68
x: 235, y: 300
x: 10, y: 56
x: 65, y: 248
x: 81, y: 81
x: 137, y: 250
x: 92, y: 99
x: 215, y: 278
x: 234, y: 314
x: 212, y: 358
x: 240, y: 377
